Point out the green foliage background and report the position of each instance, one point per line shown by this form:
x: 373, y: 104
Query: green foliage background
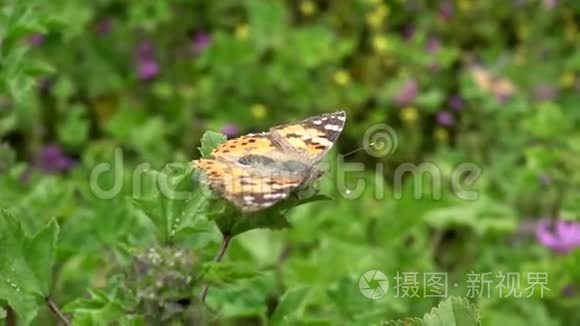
x: 70, y: 75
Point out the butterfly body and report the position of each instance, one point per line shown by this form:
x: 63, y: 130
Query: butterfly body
x: 255, y: 171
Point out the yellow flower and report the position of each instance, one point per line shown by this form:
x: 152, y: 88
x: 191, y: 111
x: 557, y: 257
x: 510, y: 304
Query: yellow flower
x: 441, y: 135
x: 465, y: 5
x: 342, y: 77
x: 568, y: 79
x: 380, y: 43
x: 409, y: 114
x: 523, y: 31
x: 376, y: 17
x: 258, y: 111
x: 307, y: 7
x: 242, y: 32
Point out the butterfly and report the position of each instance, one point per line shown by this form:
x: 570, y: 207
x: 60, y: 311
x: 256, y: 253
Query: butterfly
x: 255, y: 171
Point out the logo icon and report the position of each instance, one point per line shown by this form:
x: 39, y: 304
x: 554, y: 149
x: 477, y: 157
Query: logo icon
x: 373, y: 284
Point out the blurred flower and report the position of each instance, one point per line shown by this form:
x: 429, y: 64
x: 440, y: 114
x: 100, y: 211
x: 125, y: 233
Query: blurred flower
x: 36, y: 39
x: 307, y: 7
x: 145, y: 50
x: 51, y: 159
x: 147, y: 69
x: 446, y: 10
x: 545, y: 180
x: 258, y: 111
x: 434, y: 66
x: 465, y: 5
x: 568, y: 80
x: 201, y: 40
x: 550, y: 4
x: 561, y: 236
x: 501, y: 88
x: 242, y: 32
x: 441, y: 135
x: 377, y: 15
x: 445, y: 118
x: 409, y: 114
x: 230, y: 129
x: 341, y: 77
x: 104, y: 27
x: 407, y: 32
x: 380, y: 43
x: 407, y: 93
x: 433, y: 44
x: 569, y: 291
x: 147, y: 66
x: 545, y: 92
x: 455, y: 102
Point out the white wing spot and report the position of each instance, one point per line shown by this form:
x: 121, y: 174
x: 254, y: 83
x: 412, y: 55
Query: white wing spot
x: 317, y: 122
x: 332, y: 127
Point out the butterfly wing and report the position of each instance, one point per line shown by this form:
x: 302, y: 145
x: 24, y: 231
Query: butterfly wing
x: 313, y: 137
x: 245, y: 188
x: 233, y: 149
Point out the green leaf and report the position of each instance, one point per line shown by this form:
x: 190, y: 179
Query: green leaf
x: 176, y: 204
x: 26, y: 264
x: 74, y: 129
x: 290, y: 306
x: 267, y: 22
x: 405, y: 322
x: 454, y: 311
x: 209, y: 141
x: 224, y: 273
x: 40, y: 253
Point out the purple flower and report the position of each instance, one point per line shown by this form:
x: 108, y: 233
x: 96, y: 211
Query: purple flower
x: 145, y: 50
x: 550, y: 4
x: 455, y: 102
x: 230, y: 130
x: 545, y: 92
x: 36, y: 39
x: 147, y: 69
x: 433, y: 45
x: 446, y: 10
x: 51, y: 159
x: 569, y: 291
x: 545, y: 180
x: 147, y: 66
x: 445, y: 118
x: 407, y: 32
x: 407, y: 93
x: 201, y: 41
x: 560, y: 236
x: 104, y: 27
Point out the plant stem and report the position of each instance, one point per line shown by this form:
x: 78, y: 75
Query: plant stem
x: 218, y: 257
x: 56, y: 311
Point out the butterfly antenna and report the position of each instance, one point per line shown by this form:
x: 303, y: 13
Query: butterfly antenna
x: 359, y: 149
